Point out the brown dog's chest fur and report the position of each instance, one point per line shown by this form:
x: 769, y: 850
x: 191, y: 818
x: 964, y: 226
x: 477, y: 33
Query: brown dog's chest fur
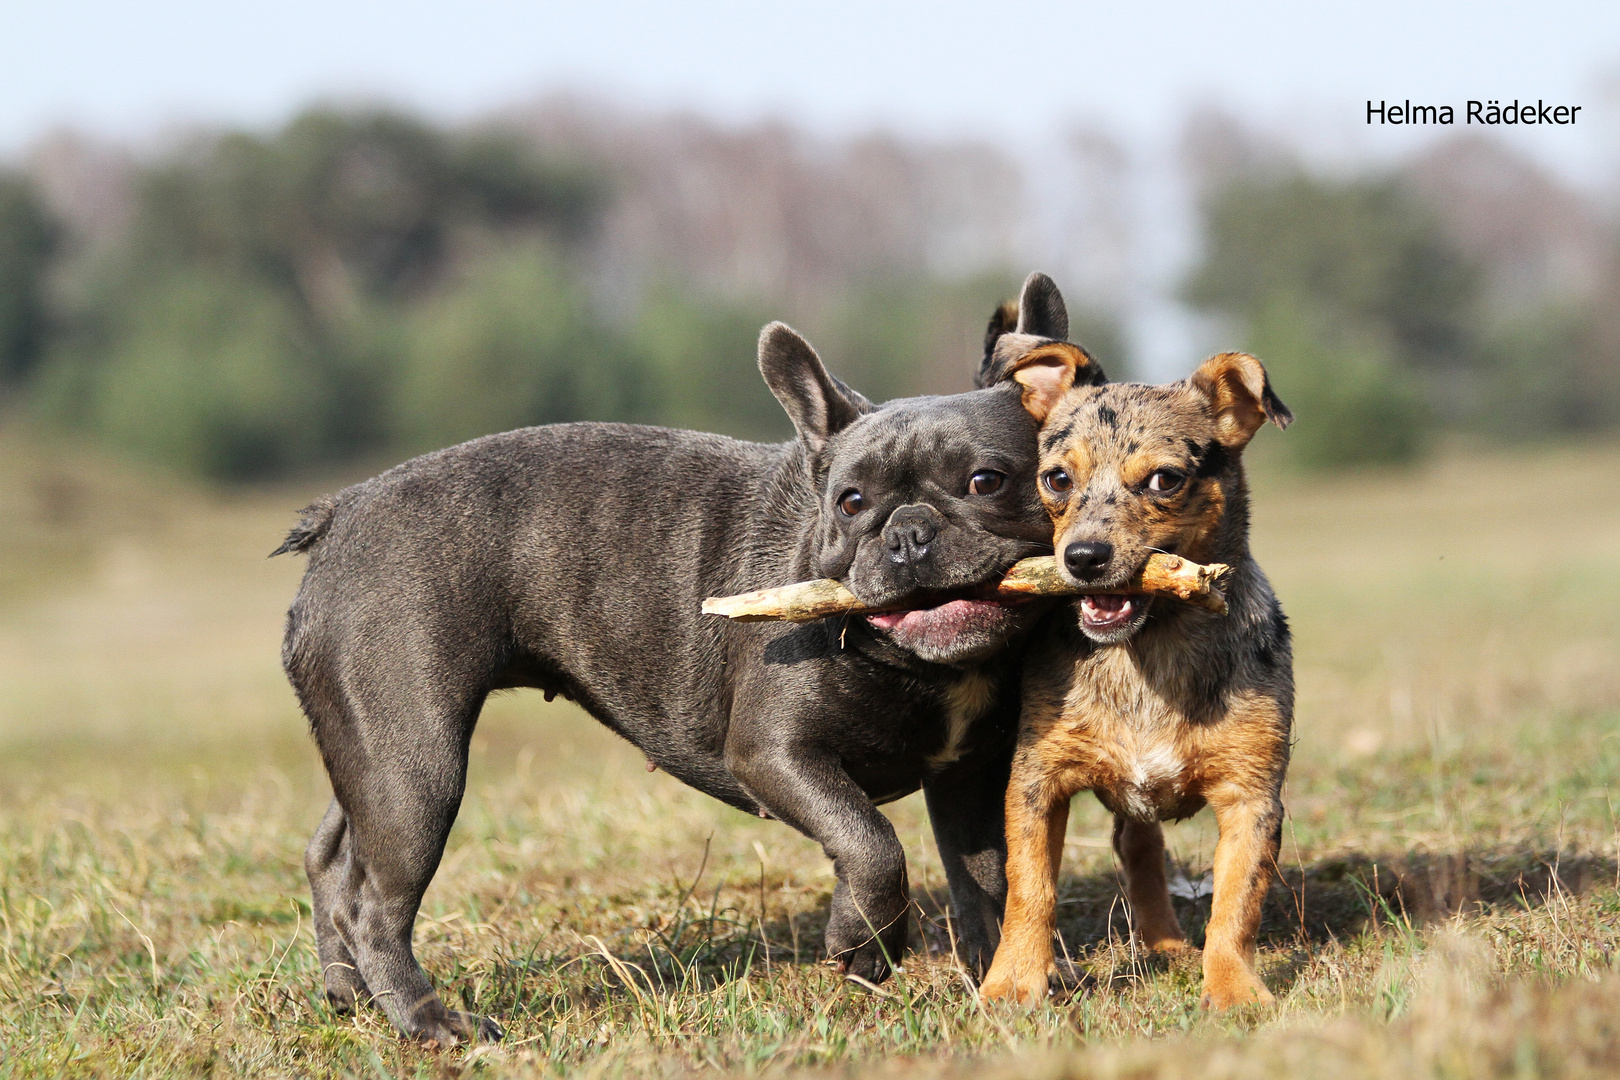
x: 1137, y: 725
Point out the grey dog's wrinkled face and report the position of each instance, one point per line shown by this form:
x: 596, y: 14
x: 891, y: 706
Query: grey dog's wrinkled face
x: 922, y: 502
x: 925, y: 501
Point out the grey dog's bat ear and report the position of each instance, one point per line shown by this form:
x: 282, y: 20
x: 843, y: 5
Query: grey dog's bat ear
x: 819, y: 405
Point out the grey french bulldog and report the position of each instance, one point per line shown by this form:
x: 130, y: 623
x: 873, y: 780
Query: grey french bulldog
x: 574, y: 558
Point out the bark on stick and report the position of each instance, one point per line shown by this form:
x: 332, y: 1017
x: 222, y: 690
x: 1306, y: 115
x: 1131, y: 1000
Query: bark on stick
x: 1163, y: 575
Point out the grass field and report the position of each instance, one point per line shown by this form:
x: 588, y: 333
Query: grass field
x: 1449, y: 908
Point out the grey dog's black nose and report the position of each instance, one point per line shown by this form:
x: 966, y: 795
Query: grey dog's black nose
x: 909, y: 532
x: 1087, y: 559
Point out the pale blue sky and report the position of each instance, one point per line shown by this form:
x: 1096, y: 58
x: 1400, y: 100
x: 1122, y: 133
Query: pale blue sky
x: 130, y: 69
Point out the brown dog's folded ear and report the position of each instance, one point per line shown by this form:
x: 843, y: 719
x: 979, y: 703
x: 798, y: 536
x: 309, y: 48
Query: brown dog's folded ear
x: 1240, y: 396
x: 819, y: 405
x: 1046, y: 370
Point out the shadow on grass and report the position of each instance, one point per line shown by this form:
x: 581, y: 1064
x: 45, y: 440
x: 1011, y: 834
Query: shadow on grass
x: 698, y: 948
x: 692, y: 949
x: 1343, y: 896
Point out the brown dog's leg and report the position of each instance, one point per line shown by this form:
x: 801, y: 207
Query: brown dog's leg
x: 1037, y: 817
x: 1140, y: 847
x: 1245, y: 857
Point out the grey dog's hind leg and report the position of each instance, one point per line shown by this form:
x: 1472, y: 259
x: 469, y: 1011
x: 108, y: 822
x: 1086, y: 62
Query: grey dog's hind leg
x: 967, y: 811
x: 326, y: 861
x: 397, y: 755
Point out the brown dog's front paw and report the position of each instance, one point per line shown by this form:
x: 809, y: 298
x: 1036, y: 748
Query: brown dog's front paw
x: 1027, y: 984
x: 1231, y: 984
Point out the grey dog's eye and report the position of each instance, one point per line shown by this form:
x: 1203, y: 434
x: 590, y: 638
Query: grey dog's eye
x: 1164, y: 481
x: 850, y: 502
x: 986, y: 482
x: 1057, y: 481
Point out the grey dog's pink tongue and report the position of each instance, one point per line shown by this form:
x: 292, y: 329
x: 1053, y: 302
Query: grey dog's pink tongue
x: 942, y: 625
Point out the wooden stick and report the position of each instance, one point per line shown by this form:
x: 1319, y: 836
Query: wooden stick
x: 1163, y: 575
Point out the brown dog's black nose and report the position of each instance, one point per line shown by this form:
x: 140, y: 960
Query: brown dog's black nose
x: 909, y: 532
x: 1087, y: 559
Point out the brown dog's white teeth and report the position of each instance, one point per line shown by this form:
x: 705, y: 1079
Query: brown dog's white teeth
x: 1107, y: 609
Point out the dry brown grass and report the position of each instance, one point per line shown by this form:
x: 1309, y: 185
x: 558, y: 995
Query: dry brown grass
x: 1448, y: 908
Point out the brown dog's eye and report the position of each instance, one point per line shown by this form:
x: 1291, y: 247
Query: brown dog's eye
x: 1165, y: 481
x: 850, y: 503
x: 1057, y: 481
x: 986, y: 482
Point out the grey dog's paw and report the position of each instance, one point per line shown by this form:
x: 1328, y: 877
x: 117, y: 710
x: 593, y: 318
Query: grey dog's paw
x: 865, y: 961
x: 458, y: 1027
x: 855, y: 950
x: 345, y: 989
x: 1067, y: 979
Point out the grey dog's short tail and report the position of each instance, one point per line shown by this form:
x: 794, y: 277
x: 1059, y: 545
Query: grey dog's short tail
x: 317, y: 518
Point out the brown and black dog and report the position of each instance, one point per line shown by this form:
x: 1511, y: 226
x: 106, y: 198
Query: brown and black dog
x: 1159, y: 708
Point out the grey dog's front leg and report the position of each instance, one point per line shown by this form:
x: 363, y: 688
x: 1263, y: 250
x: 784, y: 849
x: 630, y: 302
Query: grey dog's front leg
x: 808, y: 789
x: 967, y: 808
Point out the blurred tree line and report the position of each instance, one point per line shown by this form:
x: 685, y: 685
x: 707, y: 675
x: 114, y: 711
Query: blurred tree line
x: 359, y: 286
x: 1389, y: 308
